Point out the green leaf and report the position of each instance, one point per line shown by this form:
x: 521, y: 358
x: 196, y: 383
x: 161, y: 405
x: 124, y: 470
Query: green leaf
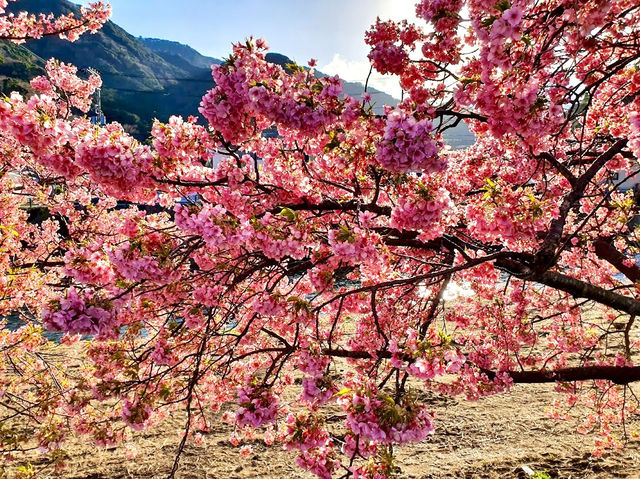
x: 491, y: 189
x: 470, y: 80
x: 299, y: 304
x: 487, y: 22
x: 342, y: 392
x: 502, y: 5
x: 165, y: 392
x: 346, y: 235
x: 388, y: 399
x: 293, y: 67
x: 289, y: 214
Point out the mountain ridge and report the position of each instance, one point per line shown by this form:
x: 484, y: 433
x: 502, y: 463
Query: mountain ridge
x: 138, y: 83
x: 143, y: 78
x: 170, y: 49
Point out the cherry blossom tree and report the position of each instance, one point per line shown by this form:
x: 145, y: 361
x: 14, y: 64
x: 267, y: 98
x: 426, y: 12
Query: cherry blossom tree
x: 180, y: 284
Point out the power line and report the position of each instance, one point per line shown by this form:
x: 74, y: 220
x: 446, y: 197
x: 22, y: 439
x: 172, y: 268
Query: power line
x: 155, y: 92
x: 98, y: 116
x: 208, y: 81
x: 150, y: 76
x: 186, y: 79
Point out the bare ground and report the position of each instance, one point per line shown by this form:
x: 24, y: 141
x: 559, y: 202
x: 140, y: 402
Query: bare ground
x: 491, y: 438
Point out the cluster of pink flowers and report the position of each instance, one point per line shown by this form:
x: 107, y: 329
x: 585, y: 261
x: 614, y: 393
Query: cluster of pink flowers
x: 591, y: 14
x: 390, y: 45
x: 290, y: 112
x: 213, y: 224
x: 236, y: 196
x: 379, y: 418
x: 634, y: 139
x: 485, y: 89
x: 225, y: 106
x: 89, y: 265
x: 257, y: 406
x: 33, y: 123
x: 375, y: 468
x: 356, y: 246
x: 407, y: 144
x: 276, y: 241
x: 23, y: 26
x: 317, y: 388
x: 162, y: 353
x: 319, y: 462
x: 136, y: 413
x: 81, y: 314
x: 306, y: 431
x: 503, y: 29
x: 133, y: 266
x: 389, y: 58
x: 252, y: 94
x: 181, y: 142
x: 278, y: 248
x: 207, y: 295
x: 62, y: 77
x: 424, y: 212
x: 443, y: 44
x: 513, y: 217
x: 115, y: 160
x: 353, y: 446
x: 269, y: 305
x: 321, y: 277
x: 438, y: 10
x: 425, y: 367
x: 531, y: 116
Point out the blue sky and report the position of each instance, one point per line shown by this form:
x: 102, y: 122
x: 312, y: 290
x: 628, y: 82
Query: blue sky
x: 332, y: 31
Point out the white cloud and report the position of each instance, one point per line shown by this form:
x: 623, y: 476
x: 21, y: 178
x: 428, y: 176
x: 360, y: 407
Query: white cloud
x: 397, y: 10
x: 357, y: 71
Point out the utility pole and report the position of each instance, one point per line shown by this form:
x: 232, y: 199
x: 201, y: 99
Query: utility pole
x: 97, y: 116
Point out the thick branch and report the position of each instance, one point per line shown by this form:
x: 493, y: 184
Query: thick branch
x: 561, y: 168
x: 338, y: 206
x: 192, y: 183
x: 434, y: 245
x: 615, y: 374
x: 573, y: 286
x: 580, y: 289
x: 607, y: 251
x: 546, y: 256
x: 459, y: 114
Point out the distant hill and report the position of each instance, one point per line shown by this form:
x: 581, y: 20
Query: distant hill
x: 139, y: 83
x: 143, y: 78
x: 17, y: 66
x: 178, y: 53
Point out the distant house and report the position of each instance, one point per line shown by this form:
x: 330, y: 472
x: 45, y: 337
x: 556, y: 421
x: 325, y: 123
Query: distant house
x: 632, y: 183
